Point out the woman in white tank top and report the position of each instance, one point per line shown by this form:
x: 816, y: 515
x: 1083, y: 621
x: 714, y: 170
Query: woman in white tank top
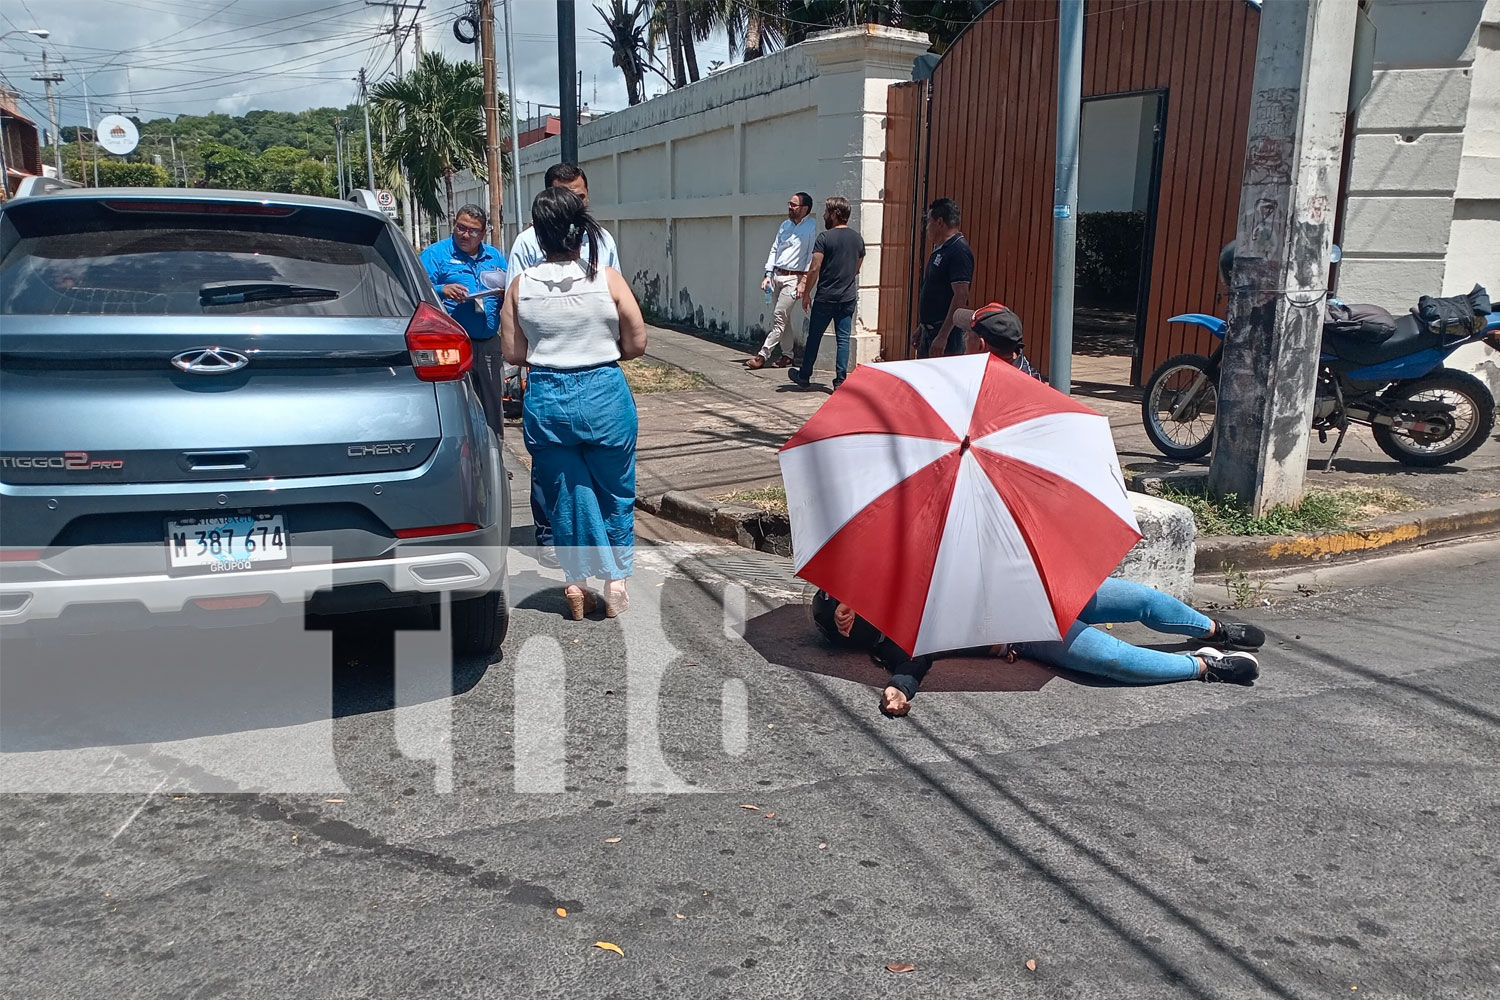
x: 573, y: 322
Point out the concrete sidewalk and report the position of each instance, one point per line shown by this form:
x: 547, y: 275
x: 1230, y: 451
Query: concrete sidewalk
x: 724, y: 436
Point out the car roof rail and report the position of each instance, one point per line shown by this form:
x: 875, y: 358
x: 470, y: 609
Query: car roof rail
x: 365, y: 198
x: 31, y: 187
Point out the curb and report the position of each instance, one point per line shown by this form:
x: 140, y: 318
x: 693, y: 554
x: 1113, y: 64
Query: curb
x: 1387, y: 534
x: 748, y: 526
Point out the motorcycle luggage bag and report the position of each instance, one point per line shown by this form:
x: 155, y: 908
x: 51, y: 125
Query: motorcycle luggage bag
x: 1455, y: 315
x: 1359, y: 321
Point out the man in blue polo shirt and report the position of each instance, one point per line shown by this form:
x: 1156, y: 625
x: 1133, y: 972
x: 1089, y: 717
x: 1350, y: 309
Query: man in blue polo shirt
x: 454, y: 266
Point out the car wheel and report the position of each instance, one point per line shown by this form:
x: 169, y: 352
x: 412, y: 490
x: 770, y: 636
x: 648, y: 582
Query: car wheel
x: 480, y: 622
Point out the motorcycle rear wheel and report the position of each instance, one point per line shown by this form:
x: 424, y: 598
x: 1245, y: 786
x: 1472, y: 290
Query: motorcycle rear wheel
x: 1473, y: 416
x: 1190, y: 435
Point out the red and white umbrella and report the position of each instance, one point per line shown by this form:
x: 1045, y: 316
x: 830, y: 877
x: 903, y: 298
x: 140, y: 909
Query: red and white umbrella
x: 956, y: 502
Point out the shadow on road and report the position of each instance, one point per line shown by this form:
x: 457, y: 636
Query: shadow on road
x: 167, y: 684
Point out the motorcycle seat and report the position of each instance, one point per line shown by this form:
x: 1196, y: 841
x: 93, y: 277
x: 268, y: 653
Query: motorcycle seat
x: 1410, y: 337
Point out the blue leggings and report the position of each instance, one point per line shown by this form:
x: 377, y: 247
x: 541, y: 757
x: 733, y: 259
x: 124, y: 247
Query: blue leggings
x: 580, y: 427
x: 1091, y: 651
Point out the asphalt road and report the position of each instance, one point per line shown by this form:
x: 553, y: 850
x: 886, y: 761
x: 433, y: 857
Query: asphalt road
x: 268, y: 826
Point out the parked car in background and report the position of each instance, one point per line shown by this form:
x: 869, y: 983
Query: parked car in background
x: 224, y: 406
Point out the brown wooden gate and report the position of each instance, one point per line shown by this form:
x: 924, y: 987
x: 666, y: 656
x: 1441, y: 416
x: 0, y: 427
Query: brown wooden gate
x: 905, y: 116
x: 991, y: 147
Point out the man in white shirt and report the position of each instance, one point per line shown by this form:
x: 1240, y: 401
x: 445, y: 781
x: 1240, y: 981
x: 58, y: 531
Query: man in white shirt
x: 527, y: 252
x: 786, y: 270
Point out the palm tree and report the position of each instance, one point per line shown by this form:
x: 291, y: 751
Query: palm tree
x: 625, y: 35
x: 442, y: 104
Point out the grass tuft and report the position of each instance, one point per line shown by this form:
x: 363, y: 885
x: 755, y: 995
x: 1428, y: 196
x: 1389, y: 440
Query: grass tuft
x: 768, y: 498
x: 648, y: 377
x: 1320, y: 510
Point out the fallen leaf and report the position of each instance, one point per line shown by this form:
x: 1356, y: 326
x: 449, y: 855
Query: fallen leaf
x: 561, y: 912
x: 606, y: 946
x: 613, y: 840
x: 749, y: 806
x: 1031, y: 964
x: 901, y: 967
x: 822, y: 847
x: 333, y: 800
x: 770, y: 815
x: 681, y: 917
x: 577, y: 641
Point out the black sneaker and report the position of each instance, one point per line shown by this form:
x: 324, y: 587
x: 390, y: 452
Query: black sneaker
x: 1228, y: 668
x: 803, y: 380
x: 1237, y: 635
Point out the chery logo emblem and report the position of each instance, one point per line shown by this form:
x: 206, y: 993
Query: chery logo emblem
x: 210, y: 361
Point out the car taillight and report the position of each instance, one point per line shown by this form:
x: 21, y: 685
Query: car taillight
x: 440, y: 349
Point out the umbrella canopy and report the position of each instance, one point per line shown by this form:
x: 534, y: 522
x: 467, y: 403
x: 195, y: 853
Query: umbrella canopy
x: 956, y: 502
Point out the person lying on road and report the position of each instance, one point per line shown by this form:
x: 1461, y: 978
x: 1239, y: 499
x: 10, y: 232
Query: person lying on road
x: 1084, y: 650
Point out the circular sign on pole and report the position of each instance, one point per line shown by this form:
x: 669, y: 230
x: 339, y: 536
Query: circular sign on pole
x: 384, y: 199
x: 117, y: 134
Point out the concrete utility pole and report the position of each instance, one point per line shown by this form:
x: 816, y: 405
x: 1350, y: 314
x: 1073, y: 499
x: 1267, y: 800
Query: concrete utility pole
x: 48, y: 78
x: 567, y: 69
x: 1065, y: 190
x: 364, y: 96
x: 515, y: 129
x: 338, y: 152
x: 496, y: 176
x: 1298, y: 110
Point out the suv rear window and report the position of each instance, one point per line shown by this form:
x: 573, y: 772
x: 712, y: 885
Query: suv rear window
x: 91, y: 258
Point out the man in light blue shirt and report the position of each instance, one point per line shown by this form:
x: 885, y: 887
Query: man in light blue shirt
x: 527, y: 252
x: 454, y: 266
x: 786, y: 276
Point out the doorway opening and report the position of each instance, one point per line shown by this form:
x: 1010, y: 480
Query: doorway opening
x: 1119, y: 177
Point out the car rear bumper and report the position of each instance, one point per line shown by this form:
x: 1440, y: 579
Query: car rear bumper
x: 410, y: 575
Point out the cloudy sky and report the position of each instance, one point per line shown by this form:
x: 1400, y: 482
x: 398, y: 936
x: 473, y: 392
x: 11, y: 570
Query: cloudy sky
x: 171, y: 57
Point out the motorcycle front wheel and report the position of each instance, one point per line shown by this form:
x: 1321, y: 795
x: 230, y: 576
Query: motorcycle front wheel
x: 1440, y: 438
x: 1182, y: 406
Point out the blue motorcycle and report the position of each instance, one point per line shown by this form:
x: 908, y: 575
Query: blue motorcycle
x: 1378, y: 370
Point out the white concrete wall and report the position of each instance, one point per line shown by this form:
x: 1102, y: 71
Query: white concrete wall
x: 694, y: 183
x: 1409, y: 144
x: 1474, y: 238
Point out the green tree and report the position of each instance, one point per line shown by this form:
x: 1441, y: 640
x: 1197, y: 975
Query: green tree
x: 277, y: 167
x: 227, y: 167
x: 313, y: 178
x: 434, y: 117
x: 625, y: 35
x: 118, y: 173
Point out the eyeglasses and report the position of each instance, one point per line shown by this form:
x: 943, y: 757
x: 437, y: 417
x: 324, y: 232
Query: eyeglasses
x: 466, y: 231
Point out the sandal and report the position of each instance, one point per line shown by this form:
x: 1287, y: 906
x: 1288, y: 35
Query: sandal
x: 584, y: 602
x: 616, y: 603
x: 785, y: 361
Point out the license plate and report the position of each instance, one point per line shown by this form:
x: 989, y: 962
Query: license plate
x: 226, y: 544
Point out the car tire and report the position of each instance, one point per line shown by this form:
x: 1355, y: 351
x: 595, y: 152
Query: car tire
x: 479, y: 622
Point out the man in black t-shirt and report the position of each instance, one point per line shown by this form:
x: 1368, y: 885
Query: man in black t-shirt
x: 945, y: 282
x: 837, y: 255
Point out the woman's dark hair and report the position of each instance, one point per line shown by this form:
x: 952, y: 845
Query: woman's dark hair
x: 562, y: 224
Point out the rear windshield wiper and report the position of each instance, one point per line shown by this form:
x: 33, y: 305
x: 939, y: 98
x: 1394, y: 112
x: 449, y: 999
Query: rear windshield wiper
x: 224, y: 293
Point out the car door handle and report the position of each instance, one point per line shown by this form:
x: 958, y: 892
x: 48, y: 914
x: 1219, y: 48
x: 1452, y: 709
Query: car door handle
x: 217, y: 461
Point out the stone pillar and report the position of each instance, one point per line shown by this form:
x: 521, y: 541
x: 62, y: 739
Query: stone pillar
x: 856, y: 68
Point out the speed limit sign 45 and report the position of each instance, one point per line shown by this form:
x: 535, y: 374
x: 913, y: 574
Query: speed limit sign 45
x: 386, y: 201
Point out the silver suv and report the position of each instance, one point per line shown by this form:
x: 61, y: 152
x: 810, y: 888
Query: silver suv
x: 226, y: 406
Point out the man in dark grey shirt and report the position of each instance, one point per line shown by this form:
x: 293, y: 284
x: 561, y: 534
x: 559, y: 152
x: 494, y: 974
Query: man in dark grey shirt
x: 837, y: 255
